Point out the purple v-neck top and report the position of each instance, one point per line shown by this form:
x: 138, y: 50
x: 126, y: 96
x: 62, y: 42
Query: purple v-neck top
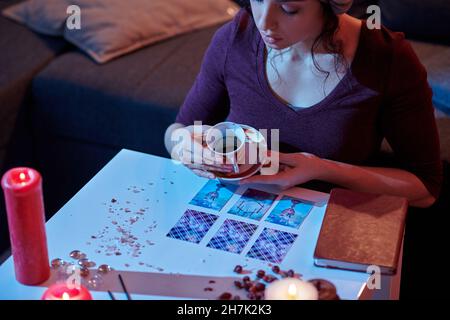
x: 385, y: 94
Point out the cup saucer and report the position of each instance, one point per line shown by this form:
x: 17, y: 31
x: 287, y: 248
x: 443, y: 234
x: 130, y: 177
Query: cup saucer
x: 239, y: 176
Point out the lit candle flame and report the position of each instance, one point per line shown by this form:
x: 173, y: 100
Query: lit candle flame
x: 22, y: 178
x: 65, y: 296
x: 292, y: 291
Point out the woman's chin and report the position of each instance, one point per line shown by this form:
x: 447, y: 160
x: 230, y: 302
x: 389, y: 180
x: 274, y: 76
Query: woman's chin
x: 273, y: 46
x: 278, y: 45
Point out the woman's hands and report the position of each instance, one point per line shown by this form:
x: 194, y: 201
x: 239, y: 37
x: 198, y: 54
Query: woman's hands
x: 193, y: 152
x: 294, y: 169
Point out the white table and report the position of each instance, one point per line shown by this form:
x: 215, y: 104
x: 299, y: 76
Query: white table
x: 168, y: 268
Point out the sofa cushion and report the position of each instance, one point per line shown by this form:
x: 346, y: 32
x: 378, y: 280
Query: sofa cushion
x: 23, y: 54
x: 47, y: 17
x: 111, y: 28
x: 436, y: 59
x: 443, y: 125
x: 359, y: 8
x: 424, y: 20
x: 128, y: 102
x: 17, y: 68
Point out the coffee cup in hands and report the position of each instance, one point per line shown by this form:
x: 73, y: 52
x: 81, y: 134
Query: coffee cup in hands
x: 238, y: 145
x: 226, y: 141
x: 192, y: 151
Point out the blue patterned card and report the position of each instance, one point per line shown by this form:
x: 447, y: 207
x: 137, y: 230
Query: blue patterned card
x: 232, y: 236
x: 290, y: 212
x: 192, y: 226
x: 253, y: 204
x: 272, y: 245
x: 213, y: 195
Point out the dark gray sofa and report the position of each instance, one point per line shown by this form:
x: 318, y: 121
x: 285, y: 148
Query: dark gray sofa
x: 85, y: 113
x: 17, y: 68
x: 23, y: 54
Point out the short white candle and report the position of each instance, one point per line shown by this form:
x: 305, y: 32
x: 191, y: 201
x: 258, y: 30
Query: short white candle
x: 291, y: 289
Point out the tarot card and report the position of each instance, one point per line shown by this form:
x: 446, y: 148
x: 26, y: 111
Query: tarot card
x: 232, y: 236
x: 213, y: 195
x: 272, y: 245
x: 253, y: 204
x: 290, y: 212
x: 192, y: 226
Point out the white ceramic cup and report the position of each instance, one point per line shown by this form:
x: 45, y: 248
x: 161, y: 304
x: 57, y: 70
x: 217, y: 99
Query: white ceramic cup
x: 227, y: 140
x: 235, y: 144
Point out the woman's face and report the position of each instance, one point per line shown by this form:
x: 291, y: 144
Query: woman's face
x: 283, y: 23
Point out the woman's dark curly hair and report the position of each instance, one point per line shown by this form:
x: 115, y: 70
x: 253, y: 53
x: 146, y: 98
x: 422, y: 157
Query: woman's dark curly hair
x: 326, y: 37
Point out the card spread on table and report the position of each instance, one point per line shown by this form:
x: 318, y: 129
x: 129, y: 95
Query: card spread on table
x: 192, y: 226
x: 290, y: 212
x: 213, y: 195
x: 272, y: 245
x: 233, y: 236
x: 253, y: 204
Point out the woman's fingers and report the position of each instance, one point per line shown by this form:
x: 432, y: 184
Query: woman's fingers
x: 281, y: 179
x: 258, y: 179
x: 199, y: 164
x: 204, y: 174
x: 290, y: 159
x: 262, y: 179
x: 188, y: 157
x: 207, y: 167
x: 293, y: 169
x: 212, y: 159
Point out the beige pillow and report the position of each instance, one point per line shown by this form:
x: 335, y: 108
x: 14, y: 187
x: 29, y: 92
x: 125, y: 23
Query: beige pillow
x: 111, y: 28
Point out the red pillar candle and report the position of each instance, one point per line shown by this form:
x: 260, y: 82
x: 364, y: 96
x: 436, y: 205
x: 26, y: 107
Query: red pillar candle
x: 26, y: 220
x: 61, y: 291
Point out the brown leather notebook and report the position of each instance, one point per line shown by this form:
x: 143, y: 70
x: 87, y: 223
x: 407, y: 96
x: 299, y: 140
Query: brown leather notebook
x: 360, y: 230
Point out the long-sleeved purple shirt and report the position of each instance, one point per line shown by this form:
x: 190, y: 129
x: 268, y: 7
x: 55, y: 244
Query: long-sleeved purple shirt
x: 385, y: 94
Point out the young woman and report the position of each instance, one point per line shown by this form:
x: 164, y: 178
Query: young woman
x: 333, y: 87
